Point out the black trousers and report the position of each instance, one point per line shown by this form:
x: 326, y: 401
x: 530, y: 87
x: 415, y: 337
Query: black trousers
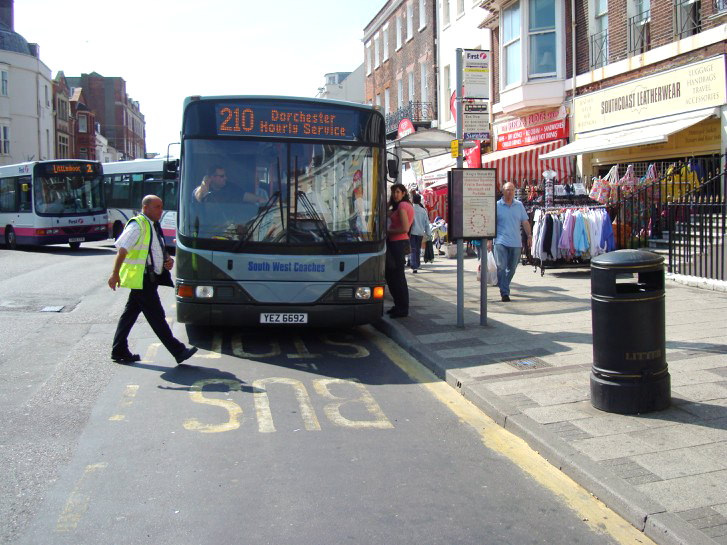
x: 395, y: 272
x: 146, y: 301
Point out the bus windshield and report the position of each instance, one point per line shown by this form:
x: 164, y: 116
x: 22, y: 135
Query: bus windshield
x: 286, y: 193
x: 68, y: 194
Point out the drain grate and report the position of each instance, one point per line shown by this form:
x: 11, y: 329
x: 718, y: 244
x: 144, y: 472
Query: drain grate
x: 526, y: 364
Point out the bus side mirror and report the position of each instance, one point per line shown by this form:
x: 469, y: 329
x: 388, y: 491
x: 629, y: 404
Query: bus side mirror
x: 393, y: 168
x: 170, y: 169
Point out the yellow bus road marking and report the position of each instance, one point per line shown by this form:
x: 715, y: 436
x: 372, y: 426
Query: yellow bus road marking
x: 591, y: 510
x: 126, y: 400
x: 216, y: 351
x: 78, y: 501
x: 151, y: 352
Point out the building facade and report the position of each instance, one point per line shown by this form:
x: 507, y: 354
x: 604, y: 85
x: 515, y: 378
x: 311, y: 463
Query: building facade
x: 119, y: 117
x: 65, y: 123
x: 348, y: 86
x: 27, y: 131
x: 84, y: 136
x: 633, y: 82
x: 400, y: 64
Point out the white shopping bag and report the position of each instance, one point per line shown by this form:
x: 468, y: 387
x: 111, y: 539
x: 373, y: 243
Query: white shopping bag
x: 491, y: 269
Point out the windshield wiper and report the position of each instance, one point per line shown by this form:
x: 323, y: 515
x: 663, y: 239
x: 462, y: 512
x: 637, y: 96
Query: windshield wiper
x: 254, y: 223
x: 320, y: 223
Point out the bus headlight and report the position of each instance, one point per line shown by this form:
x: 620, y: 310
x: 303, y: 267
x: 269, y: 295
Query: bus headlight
x: 363, y: 293
x: 204, y: 292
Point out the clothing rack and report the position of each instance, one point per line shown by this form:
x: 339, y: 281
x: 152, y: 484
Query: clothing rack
x: 579, y: 258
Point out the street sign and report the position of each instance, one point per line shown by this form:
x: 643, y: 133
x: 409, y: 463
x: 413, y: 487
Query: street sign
x: 454, y: 148
x: 472, y: 203
x: 476, y: 73
x: 476, y: 126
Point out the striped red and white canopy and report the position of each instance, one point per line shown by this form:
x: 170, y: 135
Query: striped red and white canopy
x: 524, y: 164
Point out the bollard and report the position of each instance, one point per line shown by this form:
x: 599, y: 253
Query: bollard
x: 629, y: 373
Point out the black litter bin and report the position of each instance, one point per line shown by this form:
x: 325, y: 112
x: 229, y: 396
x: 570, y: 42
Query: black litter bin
x: 629, y: 373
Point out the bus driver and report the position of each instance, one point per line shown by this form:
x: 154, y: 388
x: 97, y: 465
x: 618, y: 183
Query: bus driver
x: 214, y: 188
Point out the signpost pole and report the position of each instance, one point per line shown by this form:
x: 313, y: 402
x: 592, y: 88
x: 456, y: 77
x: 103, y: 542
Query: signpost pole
x: 460, y: 241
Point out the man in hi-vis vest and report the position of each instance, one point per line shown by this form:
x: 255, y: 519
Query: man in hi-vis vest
x: 142, y: 264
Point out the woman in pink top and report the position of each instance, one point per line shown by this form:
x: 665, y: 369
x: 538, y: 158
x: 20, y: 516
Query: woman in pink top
x: 401, y: 216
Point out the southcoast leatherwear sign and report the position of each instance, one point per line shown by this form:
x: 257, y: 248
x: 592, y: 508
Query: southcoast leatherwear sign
x: 692, y: 87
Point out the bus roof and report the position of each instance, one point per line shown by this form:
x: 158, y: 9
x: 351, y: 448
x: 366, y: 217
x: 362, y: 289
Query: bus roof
x: 134, y: 166
x: 307, y: 100
x: 20, y: 169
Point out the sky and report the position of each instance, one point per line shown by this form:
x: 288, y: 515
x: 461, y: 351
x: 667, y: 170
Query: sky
x: 167, y: 50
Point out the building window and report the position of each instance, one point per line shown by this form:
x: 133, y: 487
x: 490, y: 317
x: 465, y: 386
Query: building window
x: 378, y: 100
x: 398, y: 32
x: 385, y: 38
x: 368, y: 57
x: 399, y: 94
x: 424, y: 85
x: 423, y: 14
x: 445, y: 12
x: 687, y: 18
x: 411, y: 86
x: 63, y: 151
x: 4, y: 84
x: 377, y: 50
x: 83, y: 153
x: 6, y: 140
x: 511, y: 44
x: 541, y: 36
x: 387, y: 101
x: 599, y: 38
x: 82, y: 124
x: 47, y: 97
x: 409, y: 21
x: 460, y: 7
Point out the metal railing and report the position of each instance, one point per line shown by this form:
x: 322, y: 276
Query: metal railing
x: 639, y: 33
x: 599, y: 49
x: 682, y: 211
x: 687, y: 19
x: 416, y: 111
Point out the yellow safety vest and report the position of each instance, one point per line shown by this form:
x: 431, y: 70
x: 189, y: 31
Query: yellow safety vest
x: 134, y: 266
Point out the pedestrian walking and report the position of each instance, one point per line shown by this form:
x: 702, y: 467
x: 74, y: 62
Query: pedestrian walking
x: 401, y: 215
x: 142, y: 264
x: 419, y: 229
x: 511, y: 216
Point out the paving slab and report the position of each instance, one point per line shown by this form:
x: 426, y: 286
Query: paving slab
x: 529, y: 369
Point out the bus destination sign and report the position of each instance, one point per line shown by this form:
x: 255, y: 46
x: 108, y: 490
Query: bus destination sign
x: 59, y: 169
x: 289, y: 121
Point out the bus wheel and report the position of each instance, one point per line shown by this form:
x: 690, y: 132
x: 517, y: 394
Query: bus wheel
x: 118, y: 228
x: 74, y: 245
x: 11, y: 241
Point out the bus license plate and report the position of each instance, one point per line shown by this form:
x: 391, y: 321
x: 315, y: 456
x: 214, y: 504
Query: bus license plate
x: 283, y: 318
x: 77, y: 239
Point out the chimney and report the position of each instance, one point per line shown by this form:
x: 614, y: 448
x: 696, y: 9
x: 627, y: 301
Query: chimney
x: 6, y: 13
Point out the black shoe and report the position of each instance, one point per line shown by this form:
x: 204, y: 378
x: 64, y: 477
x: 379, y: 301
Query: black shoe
x: 506, y: 298
x: 414, y: 271
x: 392, y: 309
x: 188, y: 353
x: 126, y: 359
x: 398, y: 314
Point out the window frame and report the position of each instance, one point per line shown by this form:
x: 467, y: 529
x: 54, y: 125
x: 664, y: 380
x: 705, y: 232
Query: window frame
x: 409, y: 21
x: 422, y: 14
x: 4, y: 83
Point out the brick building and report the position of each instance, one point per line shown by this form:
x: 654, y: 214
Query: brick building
x: 65, y: 122
x: 400, y: 63
x: 119, y: 117
x: 633, y: 81
x: 84, y: 136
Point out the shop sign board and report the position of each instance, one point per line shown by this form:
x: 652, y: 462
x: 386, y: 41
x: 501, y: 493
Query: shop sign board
x: 476, y: 73
x: 684, y: 89
x: 472, y: 203
x: 537, y: 134
x: 406, y: 127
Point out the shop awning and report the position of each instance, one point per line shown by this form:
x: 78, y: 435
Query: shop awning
x: 525, y: 163
x: 634, y: 134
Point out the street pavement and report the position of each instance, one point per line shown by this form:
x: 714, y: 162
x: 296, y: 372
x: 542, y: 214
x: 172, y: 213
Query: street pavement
x: 529, y: 367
